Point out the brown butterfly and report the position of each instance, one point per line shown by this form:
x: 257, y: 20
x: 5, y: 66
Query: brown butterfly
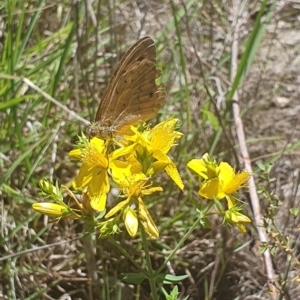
x: 132, y: 96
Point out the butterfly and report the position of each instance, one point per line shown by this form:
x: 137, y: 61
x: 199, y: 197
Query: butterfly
x: 132, y: 96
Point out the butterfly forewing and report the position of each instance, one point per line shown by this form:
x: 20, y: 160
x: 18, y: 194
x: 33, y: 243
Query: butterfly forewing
x: 144, y: 48
x: 138, y: 97
x: 132, y: 95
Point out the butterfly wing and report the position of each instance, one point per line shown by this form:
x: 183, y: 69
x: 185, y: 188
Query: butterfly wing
x: 139, y: 98
x: 132, y: 95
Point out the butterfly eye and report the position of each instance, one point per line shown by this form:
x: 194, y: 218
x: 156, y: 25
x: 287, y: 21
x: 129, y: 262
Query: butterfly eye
x: 90, y: 132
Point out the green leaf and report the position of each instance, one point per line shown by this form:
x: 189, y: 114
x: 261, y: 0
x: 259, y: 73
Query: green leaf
x: 211, y: 118
x: 261, y: 166
x: 169, y: 279
x: 133, y: 278
x: 294, y: 211
x: 173, y: 294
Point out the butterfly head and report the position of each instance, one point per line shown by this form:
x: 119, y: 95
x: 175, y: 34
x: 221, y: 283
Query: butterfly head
x: 97, y: 129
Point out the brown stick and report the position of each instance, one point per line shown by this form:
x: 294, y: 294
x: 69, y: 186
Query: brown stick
x: 258, y: 219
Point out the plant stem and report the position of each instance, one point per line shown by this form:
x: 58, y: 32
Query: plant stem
x: 127, y: 255
x: 151, y: 273
x: 196, y: 223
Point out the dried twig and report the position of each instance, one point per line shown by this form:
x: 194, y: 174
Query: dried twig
x: 69, y: 112
x: 258, y: 219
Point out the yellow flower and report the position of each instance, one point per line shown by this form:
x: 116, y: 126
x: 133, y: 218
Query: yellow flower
x: 152, y: 146
x: 234, y: 217
x: 163, y: 135
x: 221, y: 181
x: 133, y: 186
x: 121, y: 170
x: 130, y: 179
x: 204, y: 167
x: 93, y: 172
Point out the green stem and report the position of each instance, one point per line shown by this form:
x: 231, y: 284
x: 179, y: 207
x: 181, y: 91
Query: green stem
x: 127, y: 255
x: 179, y: 244
x: 151, y: 276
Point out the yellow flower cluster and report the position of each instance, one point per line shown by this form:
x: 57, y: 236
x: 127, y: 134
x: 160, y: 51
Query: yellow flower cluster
x: 130, y: 162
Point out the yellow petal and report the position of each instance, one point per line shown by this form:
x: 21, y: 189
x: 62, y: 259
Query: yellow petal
x: 76, y: 154
x: 147, y: 221
x: 231, y: 217
x: 237, y: 219
x: 237, y: 182
x: 117, y: 208
x: 152, y: 190
x: 121, y: 152
x: 95, y: 154
x: 84, y: 177
x: 164, y: 136
x: 242, y: 218
x: 210, y: 190
x: 98, y: 202
x: 94, y: 159
x: 124, y: 175
x: 138, y: 137
x: 98, y: 189
x: 135, y: 166
x: 225, y: 173
x: 204, y: 167
x: 174, y: 174
x: 98, y: 144
x: 241, y: 228
x: 119, y: 170
x: 231, y: 201
x: 199, y: 166
x: 50, y: 209
x: 131, y: 222
x: 157, y: 167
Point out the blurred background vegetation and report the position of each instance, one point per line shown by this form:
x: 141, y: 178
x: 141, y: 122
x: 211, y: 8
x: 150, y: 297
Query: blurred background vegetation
x: 68, y: 51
